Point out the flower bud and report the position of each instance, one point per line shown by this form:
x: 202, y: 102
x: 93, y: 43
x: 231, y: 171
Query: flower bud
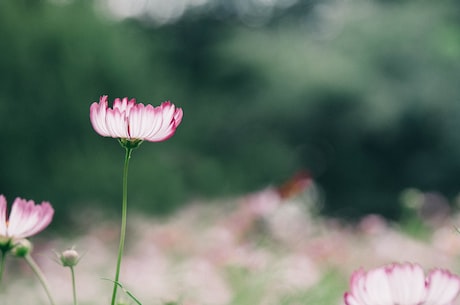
x: 22, y: 248
x: 69, y: 258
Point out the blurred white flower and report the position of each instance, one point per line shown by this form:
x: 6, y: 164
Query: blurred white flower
x: 402, y: 284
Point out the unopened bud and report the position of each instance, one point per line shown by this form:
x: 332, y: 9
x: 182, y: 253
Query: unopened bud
x: 22, y: 248
x: 69, y: 258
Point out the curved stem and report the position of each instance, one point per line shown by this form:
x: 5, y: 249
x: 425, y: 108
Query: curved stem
x: 40, y: 276
x: 74, y: 289
x: 123, y: 222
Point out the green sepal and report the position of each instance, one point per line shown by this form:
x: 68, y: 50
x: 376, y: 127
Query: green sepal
x: 130, y: 144
x: 6, y: 244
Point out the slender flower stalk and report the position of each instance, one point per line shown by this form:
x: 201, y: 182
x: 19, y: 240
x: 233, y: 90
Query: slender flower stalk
x: 70, y: 258
x: 132, y: 123
x: 36, y: 269
x: 124, y: 211
x: 2, y: 266
x: 74, y: 288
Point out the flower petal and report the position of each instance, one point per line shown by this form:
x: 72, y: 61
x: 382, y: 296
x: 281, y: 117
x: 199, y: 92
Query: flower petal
x: 377, y: 290
x: 443, y: 287
x: 27, y: 219
x: 407, y: 283
x: 98, y: 112
x: 124, y: 105
x: 369, y: 288
x: 3, y: 226
x: 170, y: 119
x: 117, y: 124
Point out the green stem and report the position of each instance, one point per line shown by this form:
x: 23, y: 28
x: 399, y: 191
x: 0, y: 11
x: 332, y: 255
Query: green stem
x: 2, y: 266
x: 74, y: 289
x: 123, y: 222
x: 40, y: 276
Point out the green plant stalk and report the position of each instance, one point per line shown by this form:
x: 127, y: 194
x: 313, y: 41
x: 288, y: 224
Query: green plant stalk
x: 40, y: 276
x: 74, y: 289
x: 123, y: 222
x: 2, y: 266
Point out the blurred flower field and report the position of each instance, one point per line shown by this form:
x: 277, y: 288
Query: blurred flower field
x: 268, y: 247
x: 361, y: 94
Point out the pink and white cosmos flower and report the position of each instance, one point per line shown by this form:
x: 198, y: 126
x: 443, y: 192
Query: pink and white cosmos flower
x: 402, y: 284
x: 25, y: 219
x: 135, y: 121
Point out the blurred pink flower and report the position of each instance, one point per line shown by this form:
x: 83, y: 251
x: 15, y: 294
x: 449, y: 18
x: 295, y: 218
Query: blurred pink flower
x: 25, y: 219
x: 132, y: 121
x: 402, y: 284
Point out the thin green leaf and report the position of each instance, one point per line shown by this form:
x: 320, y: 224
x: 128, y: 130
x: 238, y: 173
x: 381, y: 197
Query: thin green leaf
x: 124, y: 290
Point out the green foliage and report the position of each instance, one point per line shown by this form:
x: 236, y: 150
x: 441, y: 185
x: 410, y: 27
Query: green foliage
x: 252, y: 288
x: 363, y: 94
x: 329, y: 290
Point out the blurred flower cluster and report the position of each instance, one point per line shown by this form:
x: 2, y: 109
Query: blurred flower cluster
x: 262, y: 248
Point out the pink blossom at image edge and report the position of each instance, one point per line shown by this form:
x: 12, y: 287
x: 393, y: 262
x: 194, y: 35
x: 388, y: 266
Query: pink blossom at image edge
x: 25, y: 219
x: 403, y: 284
x: 135, y: 121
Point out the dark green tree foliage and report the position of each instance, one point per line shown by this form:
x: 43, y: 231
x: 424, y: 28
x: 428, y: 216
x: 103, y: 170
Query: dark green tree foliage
x: 362, y: 94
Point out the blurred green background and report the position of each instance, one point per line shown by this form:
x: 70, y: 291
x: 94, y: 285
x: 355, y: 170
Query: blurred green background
x: 364, y: 94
